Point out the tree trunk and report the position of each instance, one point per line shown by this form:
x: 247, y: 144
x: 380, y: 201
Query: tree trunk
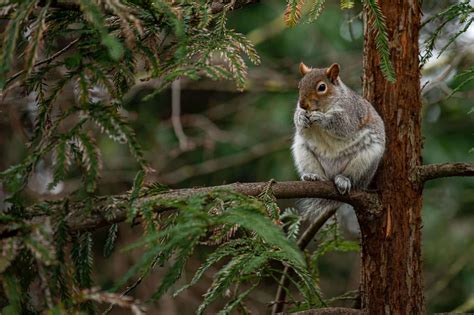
x: 391, y: 276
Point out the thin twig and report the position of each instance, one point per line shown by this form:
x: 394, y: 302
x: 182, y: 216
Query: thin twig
x: 304, y: 240
x: 132, y: 286
x: 208, y: 126
x: 440, y: 79
x: 47, y: 60
x: 211, y: 166
x: 176, y: 114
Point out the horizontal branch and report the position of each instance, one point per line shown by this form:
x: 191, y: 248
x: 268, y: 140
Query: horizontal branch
x: 433, y: 171
x: 108, y: 210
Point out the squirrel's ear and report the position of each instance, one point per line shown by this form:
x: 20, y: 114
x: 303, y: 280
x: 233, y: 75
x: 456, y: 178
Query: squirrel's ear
x: 332, y: 72
x: 304, y: 69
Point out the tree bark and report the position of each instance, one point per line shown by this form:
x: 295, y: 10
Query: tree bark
x: 391, y: 274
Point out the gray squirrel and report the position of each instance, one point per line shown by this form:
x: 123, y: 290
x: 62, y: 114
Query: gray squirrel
x: 339, y: 135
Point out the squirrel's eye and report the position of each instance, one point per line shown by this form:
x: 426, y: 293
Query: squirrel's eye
x: 321, y: 87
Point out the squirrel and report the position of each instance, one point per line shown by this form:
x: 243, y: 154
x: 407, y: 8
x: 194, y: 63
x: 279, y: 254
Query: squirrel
x: 339, y: 135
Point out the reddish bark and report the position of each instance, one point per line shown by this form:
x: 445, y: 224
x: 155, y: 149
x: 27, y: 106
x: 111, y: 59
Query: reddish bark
x: 391, y: 276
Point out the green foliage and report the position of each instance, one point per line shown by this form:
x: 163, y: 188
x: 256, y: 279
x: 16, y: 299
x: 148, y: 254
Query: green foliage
x: 316, y: 9
x: 461, y: 15
x: 237, y: 301
x: 9, y: 43
x: 291, y: 222
x: 172, y: 40
x: 89, y: 47
x: 39, y: 243
x: 376, y: 23
x: 330, y: 240
x: 81, y: 255
x: 137, y: 186
x: 98, y: 51
x: 347, y: 4
x: 93, y: 14
x: 110, y: 241
x: 12, y: 289
x: 459, y: 11
x: 293, y: 12
x: 465, y: 77
x: 248, y: 258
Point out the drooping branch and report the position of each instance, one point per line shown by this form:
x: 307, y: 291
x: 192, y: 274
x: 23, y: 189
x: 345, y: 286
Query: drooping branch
x: 434, y: 171
x: 47, y: 60
x: 303, y: 241
x: 113, y: 209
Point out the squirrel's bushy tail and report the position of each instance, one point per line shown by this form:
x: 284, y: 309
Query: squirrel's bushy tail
x: 315, y: 207
x: 312, y: 208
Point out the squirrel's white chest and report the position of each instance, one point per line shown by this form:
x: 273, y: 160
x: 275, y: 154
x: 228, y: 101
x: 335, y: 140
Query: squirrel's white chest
x: 327, y: 146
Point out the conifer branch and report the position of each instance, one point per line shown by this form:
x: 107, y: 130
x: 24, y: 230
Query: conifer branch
x: 303, y: 241
x: 108, y: 210
x: 47, y: 60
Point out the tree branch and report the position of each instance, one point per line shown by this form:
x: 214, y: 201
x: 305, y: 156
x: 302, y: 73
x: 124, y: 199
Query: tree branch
x: 47, y: 60
x: 176, y: 115
x: 108, y: 210
x: 434, y: 171
x: 217, y: 6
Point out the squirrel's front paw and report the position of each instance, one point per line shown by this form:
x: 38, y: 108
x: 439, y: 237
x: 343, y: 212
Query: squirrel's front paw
x: 301, y: 119
x: 343, y: 184
x: 311, y: 177
x: 317, y: 117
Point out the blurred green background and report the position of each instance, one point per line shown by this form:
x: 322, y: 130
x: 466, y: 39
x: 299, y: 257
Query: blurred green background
x: 245, y: 136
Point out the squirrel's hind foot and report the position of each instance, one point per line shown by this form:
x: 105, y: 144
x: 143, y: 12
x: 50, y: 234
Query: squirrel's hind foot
x: 343, y: 184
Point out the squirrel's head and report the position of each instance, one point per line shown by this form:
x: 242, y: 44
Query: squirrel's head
x: 317, y: 86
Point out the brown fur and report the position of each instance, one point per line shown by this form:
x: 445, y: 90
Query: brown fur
x: 304, y: 69
x: 366, y: 120
x: 309, y: 97
x: 333, y: 72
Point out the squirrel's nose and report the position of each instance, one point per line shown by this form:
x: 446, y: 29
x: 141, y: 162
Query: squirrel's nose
x: 304, y: 105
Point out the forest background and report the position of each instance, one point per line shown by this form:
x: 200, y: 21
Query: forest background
x: 221, y: 135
